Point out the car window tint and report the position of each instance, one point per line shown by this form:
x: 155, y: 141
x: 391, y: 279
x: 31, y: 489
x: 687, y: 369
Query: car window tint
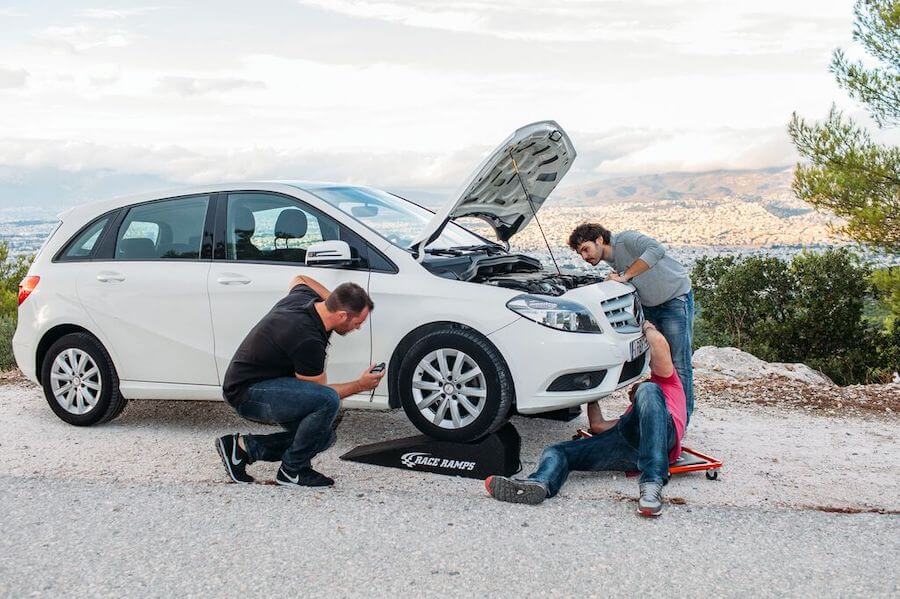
x: 270, y: 227
x: 164, y: 230
x: 84, y: 243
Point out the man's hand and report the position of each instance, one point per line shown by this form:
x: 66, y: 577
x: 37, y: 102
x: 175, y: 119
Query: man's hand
x: 614, y: 276
x: 369, y: 380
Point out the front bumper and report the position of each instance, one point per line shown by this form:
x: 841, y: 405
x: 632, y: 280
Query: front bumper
x: 537, y: 355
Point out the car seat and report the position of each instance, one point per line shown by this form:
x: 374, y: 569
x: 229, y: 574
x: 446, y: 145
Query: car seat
x: 242, y: 229
x: 139, y: 248
x: 291, y: 224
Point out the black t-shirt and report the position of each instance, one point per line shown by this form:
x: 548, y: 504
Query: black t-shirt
x: 289, y: 339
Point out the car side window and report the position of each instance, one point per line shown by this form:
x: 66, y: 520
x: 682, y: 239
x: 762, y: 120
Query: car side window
x: 163, y: 230
x: 268, y: 227
x: 83, y: 244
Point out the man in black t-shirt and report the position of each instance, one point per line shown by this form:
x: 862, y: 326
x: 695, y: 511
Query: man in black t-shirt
x: 277, y: 376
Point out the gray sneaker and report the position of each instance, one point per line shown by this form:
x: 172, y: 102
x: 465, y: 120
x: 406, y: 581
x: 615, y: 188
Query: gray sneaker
x: 650, y: 502
x: 514, y: 490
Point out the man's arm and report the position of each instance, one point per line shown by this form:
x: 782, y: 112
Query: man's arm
x: 650, y: 252
x: 366, y: 382
x: 660, y: 356
x: 311, y: 283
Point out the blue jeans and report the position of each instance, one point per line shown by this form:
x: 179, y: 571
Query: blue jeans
x: 675, y: 320
x: 641, y: 440
x: 305, y: 410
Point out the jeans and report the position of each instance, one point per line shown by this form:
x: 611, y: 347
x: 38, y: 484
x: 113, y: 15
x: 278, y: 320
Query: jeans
x: 675, y: 320
x: 305, y: 410
x: 641, y: 440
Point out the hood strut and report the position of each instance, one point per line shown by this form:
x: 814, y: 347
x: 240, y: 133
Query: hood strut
x: 533, y: 211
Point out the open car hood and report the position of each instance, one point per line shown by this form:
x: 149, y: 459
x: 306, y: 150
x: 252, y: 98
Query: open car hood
x: 541, y: 152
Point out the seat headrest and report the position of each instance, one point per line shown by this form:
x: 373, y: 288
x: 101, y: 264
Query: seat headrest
x: 243, y: 222
x: 140, y: 247
x: 291, y: 224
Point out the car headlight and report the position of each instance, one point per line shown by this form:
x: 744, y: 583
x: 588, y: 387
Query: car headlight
x: 554, y: 313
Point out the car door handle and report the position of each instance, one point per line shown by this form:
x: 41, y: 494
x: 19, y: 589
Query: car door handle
x: 108, y: 276
x: 232, y: 279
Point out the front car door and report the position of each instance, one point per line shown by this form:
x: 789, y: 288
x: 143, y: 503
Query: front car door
x: 260, y: 246
x: 148, y: 293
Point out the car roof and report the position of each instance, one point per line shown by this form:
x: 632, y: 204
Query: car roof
x: 95, y: 208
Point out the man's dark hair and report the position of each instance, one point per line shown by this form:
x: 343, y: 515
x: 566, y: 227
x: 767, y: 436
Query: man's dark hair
x: 588, y: 232
x: 350, y: 298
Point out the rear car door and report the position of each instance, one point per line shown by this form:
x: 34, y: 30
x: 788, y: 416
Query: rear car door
x: 146, y: 291
x: 261, y: 241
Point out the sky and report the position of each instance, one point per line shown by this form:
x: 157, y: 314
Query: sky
x: 402, y: 93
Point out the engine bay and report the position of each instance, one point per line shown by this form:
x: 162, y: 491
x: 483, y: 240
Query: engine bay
x: 512, y: 271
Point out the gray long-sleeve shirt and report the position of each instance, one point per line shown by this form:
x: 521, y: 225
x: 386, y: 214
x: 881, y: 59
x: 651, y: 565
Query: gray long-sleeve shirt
x: 667, y: 278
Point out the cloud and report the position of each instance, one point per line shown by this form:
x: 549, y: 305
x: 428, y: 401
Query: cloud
x: 112, y: 14
x: 12, y: 78
x: 11, y: 12
x: 194, y: 86
x: 692, y: 26
x: 81, y: 37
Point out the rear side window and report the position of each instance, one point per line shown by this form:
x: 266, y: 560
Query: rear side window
x: 166, y: 230
x: 83, y: 244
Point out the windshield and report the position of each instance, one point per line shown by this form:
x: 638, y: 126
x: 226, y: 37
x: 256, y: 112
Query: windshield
x: 397, y: 220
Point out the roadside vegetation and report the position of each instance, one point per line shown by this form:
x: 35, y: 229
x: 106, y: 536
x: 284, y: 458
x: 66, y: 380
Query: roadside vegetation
x: 825, y: 310
x: 12, y: 271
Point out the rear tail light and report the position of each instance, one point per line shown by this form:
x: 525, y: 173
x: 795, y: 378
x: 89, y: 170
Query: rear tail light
x: 26, y: 287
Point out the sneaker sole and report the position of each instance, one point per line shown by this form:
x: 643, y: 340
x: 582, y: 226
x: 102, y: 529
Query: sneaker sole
x: 289, y: 484
x: 220, y: 449
x: 503, y: 489
x: 649, y: 513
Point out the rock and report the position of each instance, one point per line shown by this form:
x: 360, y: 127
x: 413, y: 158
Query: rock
x: 730, y: 363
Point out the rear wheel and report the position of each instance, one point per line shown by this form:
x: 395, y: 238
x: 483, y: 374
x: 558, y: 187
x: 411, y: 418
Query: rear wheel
x: 454, y: 385
x: 80, y: 381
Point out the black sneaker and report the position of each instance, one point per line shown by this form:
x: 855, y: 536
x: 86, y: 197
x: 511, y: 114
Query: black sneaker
x: 307, y: 477
x: 234, y: 458
x: 515, y: 490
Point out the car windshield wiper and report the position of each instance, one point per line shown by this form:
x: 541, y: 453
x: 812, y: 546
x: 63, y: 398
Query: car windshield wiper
x: 491, y: 247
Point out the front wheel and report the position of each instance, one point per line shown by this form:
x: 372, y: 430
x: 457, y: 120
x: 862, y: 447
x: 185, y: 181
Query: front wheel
x: 455, y: 386
x: 80, y: 381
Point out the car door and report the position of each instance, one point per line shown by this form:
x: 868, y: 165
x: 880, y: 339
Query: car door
x: 148, y: 294
x: 260, y: 246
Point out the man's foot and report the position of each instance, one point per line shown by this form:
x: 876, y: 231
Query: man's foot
x: 650, y: 502
x: 234, y: 458
x: 515, y: 490
x: 306, y: 477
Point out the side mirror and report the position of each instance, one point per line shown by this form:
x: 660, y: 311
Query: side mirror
x: 332, y: 253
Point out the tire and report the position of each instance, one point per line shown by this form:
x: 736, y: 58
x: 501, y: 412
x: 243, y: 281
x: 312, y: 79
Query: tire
x: 418, y: 384
x: 100, y: 399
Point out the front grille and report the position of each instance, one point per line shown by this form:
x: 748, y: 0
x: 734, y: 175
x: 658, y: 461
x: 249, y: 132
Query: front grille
x: 624, y: 313
x: 632, y: 369
x: 578, y: 381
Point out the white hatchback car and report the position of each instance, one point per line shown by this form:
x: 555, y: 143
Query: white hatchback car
x: 148, y: 297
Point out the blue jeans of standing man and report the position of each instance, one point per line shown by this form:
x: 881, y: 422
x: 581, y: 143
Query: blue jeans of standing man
x: 305, y: 410
x: 641, y: 440
x: 675, y: 320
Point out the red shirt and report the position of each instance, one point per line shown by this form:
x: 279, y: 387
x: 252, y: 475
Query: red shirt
x: 676, y: 404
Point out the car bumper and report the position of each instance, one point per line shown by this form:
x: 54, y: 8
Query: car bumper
x: 24, y: 348
x: 537, y: 356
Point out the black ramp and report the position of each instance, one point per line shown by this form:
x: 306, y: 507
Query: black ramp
x: 497, y: 453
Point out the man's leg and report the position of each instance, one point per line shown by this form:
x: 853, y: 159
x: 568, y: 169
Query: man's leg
x: 675, y: 320
x: 608, y: 450
x: 305, y: 409
x: 655, y: 436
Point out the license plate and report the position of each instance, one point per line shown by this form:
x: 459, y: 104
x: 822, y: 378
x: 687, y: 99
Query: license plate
x: 639, y: 346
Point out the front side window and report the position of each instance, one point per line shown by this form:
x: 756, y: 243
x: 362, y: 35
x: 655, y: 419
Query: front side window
x: 274, y: 228
x: 165, y: 230
x: 82, y: 246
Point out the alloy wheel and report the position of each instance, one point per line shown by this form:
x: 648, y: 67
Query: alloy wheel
x: 75, y: 381
x: 449, y: 388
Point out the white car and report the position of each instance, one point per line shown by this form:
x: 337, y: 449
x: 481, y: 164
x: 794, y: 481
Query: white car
x: 147, y: 297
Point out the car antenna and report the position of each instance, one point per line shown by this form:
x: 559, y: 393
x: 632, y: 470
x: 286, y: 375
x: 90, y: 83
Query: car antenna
x: 533, y: 211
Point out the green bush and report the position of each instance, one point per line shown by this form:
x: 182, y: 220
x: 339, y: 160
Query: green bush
x: 810, y: 310
x: 12, y: 271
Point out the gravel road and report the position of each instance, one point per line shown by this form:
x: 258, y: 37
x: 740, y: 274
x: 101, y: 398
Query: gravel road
x: 141, y: 507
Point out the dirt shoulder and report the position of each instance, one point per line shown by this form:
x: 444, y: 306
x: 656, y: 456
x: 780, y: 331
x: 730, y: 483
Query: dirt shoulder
x: 783, y: 447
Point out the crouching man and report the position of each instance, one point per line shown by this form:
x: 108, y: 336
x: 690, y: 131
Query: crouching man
x: 277, y: 376
x: 646, y: 438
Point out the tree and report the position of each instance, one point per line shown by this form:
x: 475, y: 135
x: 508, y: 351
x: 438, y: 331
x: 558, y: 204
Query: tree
x: 845, y: 172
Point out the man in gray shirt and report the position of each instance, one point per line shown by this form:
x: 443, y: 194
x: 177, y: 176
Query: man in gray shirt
x: 662, y: 284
